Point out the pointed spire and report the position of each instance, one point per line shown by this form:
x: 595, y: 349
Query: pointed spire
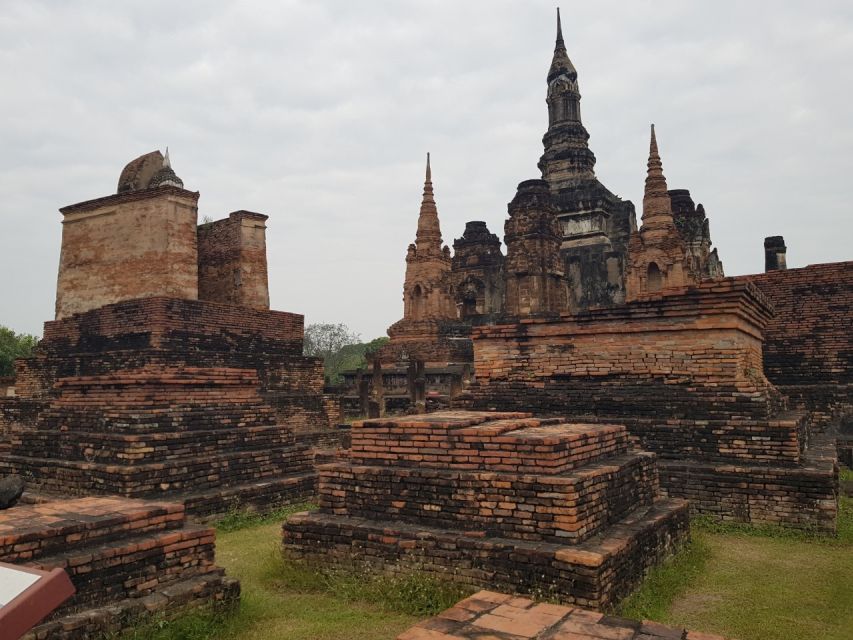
x: 559, y: 28
x: 560, y: 63
x: 428, y: 238
x: 657, y: 206
x: 166, y: 161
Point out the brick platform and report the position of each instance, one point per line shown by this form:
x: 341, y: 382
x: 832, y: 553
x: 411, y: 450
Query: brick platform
x: 127, y: 558
x: 684, y: 372
x: 499, y: 499
x: 495, y: 616
x: 160, y: 398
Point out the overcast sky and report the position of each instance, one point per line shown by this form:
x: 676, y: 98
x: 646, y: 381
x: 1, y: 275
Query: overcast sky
x: 320, y: 114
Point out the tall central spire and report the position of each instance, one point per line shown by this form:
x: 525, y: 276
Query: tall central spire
x: 657, y: 206
x: 560, y: 64
x: 567, y: 157
x: 428, y: 238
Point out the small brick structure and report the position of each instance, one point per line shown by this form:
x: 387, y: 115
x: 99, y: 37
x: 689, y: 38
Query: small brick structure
x: 487, y: 615
x: 128, y: 560
x: 494, y: 499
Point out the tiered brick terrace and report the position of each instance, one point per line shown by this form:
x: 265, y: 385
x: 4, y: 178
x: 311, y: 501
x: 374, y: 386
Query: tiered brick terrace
x: 209, y: 404
x: 499, y: 499
x: 684, y: 372
x: 128, y: 559
x: 495, y: 616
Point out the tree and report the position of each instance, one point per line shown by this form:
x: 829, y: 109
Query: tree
x: 14, y: 345
x: 326, y: 341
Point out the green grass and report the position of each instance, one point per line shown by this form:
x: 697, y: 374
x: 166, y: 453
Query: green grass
x: 282, y: 599
x: 745, y: 583
x: 846, y: 474
x: 756, y: 583
x: 238, y: 519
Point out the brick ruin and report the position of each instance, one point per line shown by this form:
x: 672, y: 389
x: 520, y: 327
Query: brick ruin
x: 500, y: 499
x: 488, y: 614
x: 732, y: 382
x: 165, y: 375
x: 128, y: 560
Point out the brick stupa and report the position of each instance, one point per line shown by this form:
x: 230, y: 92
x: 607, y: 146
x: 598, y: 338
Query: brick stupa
x: 165, y: 375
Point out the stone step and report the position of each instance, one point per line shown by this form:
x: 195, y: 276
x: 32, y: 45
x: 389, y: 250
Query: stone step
x: 134, y: 565
x: 596, y: 573
x: 30, y: 532
x: 474, y: 440
x: 497, y: 615
x: 262, y: 496
x: 122, y: 448
x: 147, y: 480
x: 566, y: 508
x: 110, y: 619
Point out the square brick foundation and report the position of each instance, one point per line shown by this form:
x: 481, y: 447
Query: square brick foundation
x: 498, y: 499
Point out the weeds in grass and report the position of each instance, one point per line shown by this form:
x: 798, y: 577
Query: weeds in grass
x: 197, y: 625
x: 238, y: 518
x: 846, y: 474
x: 667, y: 581
x: 409, y: 590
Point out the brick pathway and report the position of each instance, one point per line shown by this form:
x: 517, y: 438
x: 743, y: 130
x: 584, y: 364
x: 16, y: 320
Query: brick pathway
x: 494, y: 616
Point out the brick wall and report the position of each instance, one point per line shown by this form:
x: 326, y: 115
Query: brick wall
x: 808, y: 348
x: 232, y: 260
x: 683, y: 371
x: 127, y: 246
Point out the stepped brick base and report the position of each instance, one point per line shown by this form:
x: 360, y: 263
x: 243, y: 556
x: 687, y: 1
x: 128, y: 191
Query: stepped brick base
x: 683, y: 371
x: 804, y: 497
x: 503, y: 617
x: 125, y: 557
x: 501, y: 499
x: 163, y: 399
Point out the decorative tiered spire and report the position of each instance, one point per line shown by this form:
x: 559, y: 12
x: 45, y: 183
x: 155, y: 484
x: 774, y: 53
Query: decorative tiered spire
x: 561, y: 64
x: 166, y: 176
x: 428, y: 238
x: 657, y: 206
x: 567, y: 157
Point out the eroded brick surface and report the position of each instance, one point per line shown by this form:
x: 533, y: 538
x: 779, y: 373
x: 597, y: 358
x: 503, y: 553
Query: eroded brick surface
x: 126, y: 558
x: 497, y: 616
x: 461, y: 494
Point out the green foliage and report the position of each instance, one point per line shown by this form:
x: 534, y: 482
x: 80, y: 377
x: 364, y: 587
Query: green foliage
x: 339, y: 347
x: 846, y: 474
x: 237, y: 518
x: 14, y: 345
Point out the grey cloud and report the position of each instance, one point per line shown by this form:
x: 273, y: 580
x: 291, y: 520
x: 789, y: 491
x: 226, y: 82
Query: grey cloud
x: 320, y: 114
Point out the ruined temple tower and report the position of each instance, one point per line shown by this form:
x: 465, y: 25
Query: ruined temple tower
x: 595, y: 223
x: 535, y: 282
x: 429, y: 331
x: 426, y: 291
x: 657, y: 259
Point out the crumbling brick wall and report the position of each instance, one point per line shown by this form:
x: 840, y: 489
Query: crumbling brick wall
x: 127, y: 246
x: 232, y: 260
x: 808, y: 348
